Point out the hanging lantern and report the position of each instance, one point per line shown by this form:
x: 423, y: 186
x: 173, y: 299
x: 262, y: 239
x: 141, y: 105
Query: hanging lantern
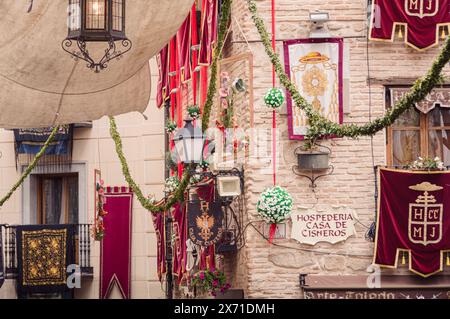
x: 189, y: 143
x: 96, y: 21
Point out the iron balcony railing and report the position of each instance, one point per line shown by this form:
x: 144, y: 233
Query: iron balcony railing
x: 82, y: 254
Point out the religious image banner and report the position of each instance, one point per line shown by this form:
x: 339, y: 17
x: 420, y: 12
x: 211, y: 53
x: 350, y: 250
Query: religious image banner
x: 413, y: 217
x: 208, y: 31
x: 162, y: 93
x: 315, y: 66
x: 423, y: 21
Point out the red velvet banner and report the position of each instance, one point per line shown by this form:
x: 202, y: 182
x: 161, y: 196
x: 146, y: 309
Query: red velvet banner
x: 414, y: 217
x: 160, y: 231
x: 115, y: 248
x: 184, y: 49
x: 208, y: 31
x: 163, y: 83
x: 421, y: 19
x: 179, y: 247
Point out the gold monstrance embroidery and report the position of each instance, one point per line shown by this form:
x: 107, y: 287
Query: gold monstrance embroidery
x: 425, y: 216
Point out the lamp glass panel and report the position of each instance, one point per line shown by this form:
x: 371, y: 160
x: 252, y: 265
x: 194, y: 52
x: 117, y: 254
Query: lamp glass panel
x: 180, y: 147
x: 96, y: 14
x: 117, y: 18
x: 74, y: 18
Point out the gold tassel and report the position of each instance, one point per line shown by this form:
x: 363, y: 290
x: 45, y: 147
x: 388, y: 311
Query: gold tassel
x: 443, y: 34
x: 400, y: 32
x: 448, y: 260
x: 403, y: 259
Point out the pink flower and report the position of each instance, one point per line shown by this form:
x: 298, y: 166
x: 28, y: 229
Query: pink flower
x: 215, y: 283
x: 202, y: 276
x: 223, y: 92
x: 225, y: 76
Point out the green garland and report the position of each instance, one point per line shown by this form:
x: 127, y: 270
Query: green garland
x: 30, y: 167
x: 178, y: 195
x: 320, y: 126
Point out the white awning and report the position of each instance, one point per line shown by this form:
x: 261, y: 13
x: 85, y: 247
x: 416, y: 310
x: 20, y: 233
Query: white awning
x: 41, y: 85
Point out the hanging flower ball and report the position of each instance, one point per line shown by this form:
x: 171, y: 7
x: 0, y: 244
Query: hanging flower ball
x: 275, y: 205
x: 274, y: 98
x: 171, y: 127
x: 194, y: 111
x: 172, y: 184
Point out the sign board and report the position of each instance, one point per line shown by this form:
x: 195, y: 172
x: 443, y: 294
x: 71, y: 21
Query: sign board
x: 332, y: 225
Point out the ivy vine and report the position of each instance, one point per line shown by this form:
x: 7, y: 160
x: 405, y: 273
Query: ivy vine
x: 178, y: 195
x: 320, y: 126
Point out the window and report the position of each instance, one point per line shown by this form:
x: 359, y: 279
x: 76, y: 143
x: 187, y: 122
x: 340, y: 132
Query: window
x: 417, y: 134
x: 57, y: 199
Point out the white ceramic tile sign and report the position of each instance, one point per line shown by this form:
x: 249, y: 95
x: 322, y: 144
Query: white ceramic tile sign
x: 332, y: 225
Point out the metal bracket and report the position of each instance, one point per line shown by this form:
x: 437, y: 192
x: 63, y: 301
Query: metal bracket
x: 312, y: 177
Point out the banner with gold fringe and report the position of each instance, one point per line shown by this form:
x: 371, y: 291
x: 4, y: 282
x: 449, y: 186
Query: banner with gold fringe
x: 413, y: 220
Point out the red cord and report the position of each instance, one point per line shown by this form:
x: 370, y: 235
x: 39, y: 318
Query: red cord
x: 274, y: 114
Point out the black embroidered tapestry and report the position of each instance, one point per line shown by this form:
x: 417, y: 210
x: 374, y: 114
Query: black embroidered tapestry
x: 28, y: 142
x: 43, y: 254
x: 205, y: 222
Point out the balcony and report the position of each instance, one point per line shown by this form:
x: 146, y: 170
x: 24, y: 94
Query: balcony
x: 82, y: 245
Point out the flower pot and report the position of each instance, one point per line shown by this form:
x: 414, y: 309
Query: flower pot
x: 313, y: 160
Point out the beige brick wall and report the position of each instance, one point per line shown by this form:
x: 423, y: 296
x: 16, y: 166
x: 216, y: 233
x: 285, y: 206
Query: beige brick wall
x: 272, y: 271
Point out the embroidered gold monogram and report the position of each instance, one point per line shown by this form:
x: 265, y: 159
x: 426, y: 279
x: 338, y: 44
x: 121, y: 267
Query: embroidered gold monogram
x: 421, y: 8
x: 425, y: 216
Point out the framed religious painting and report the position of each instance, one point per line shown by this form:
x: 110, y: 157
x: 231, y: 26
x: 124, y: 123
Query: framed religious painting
x: 315, y: 66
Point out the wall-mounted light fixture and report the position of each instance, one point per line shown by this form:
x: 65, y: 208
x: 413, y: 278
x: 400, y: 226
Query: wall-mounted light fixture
x: 318, y: 24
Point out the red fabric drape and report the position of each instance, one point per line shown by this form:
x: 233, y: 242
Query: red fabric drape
x: 115, y: 248
x: 160, y: 231
x: 413, y: 215
x: 179, y: 248
x: 163, y: 81
x: 208, y: 29
x: 184, y: 50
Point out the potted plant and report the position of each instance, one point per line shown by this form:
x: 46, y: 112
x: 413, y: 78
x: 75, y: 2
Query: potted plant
x: 210, y: 282
x: 313, y: 157
x: 427, y: 164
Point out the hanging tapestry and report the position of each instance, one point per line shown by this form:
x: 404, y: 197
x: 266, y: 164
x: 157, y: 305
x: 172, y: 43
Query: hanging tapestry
x: 423, y: 21
x: 184, y: 49
x: 315, y: 67
x: 208, y: 31
x: 413, y: 217
x: 438, y: 97
x: 43, y: 254
x: 205, y: 222
x: 115, y: 248
x: 2, y: 266
x: 179, y: 245
x: 162, y: 59
x: 159, y: 225
x: 28, y: 142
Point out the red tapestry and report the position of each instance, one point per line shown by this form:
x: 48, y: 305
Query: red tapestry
x: 163, y: 83
x: 179, y: 247
x: 115, y: 248
x: 421, y: 19
x: 184, y: 49
x: 159, y: 225
x: 208, y: 31
x: 414, y: 217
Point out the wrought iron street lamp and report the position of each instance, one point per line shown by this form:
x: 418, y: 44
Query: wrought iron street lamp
x: 96, y: 21
x: 189, y: 143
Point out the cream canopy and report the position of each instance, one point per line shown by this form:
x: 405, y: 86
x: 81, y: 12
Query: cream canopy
x: 41, y: 85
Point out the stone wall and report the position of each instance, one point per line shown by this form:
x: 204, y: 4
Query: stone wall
x: 273, y: 271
